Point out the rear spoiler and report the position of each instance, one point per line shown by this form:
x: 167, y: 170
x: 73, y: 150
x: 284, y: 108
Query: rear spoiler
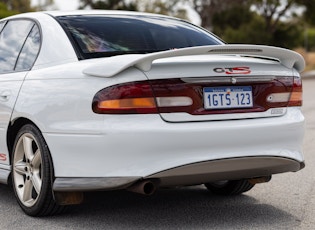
x: 109, y: 67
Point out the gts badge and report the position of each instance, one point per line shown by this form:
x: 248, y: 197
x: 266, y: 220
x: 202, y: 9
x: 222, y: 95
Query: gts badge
x: 233, y: 70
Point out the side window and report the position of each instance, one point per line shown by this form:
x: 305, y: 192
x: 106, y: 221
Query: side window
x: 30, y: 50
x: 12, y: 39
x: 1, y: 25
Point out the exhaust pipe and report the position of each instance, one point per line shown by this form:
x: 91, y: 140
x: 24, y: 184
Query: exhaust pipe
x: 258, y: 180
x: 145, y: 187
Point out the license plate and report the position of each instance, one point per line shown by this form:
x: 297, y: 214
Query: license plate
x: 228, y: 97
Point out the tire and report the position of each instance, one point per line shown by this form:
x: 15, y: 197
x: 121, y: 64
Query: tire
x: 32, y: 173
x: 229, y: 187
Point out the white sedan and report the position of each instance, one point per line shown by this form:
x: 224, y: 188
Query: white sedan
x: 108, y: 100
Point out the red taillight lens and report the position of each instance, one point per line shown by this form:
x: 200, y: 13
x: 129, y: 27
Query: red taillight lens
x: 179, y: 96
x: 292, y: 96
x: 138, y: 98
x: 129, y: 98
x: 296, y: 97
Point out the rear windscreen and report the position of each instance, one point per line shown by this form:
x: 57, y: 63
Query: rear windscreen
x: 104, y: 36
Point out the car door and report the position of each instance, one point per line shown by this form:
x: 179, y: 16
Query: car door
x: 19, y: 46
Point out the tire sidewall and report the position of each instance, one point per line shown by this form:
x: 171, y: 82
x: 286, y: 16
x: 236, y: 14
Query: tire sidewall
x: 46, y: 190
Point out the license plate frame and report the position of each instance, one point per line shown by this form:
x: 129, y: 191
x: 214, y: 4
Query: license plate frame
x: 228, y: 97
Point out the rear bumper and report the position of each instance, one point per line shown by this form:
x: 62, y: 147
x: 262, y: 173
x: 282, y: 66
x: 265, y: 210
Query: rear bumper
x: 227, y: 169
x: 198, y: 173
x: 144, y: 146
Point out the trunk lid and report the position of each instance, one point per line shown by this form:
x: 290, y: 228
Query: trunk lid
x: 221, y: 87
x: 206, y: 83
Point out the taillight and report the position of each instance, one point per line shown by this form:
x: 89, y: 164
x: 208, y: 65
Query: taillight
x: 292, y: 97
x: 138, y: 98
x: 296, y: 97
x: 129, y: 98
x: 178, y: 96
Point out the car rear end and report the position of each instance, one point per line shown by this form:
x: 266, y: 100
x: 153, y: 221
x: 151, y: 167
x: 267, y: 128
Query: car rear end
x: 140, y: 101
x: 180, y: 114
x: 243, y: 122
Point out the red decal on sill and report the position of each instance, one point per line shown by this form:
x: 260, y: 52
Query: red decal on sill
x: 3, y: 157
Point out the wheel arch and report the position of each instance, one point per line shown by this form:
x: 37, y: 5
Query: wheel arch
x: 17, y: 130
x: 13, y: 130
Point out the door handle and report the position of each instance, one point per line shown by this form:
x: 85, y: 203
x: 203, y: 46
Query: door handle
x: 5, y: 95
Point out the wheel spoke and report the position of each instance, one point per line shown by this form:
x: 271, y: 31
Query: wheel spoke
x: 19, y: 168
x: 27, y: 192
x: 37, y: 159
x: 37, y: 183
x: 28, y: 150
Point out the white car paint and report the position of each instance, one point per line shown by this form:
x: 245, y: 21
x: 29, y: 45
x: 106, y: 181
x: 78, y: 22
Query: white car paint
x: 10, y: 85
x: 57, y: 94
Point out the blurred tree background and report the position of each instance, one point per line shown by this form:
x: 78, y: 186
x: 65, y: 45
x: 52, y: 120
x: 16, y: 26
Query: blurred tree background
x: 11, y: 7
x: 284, y: 23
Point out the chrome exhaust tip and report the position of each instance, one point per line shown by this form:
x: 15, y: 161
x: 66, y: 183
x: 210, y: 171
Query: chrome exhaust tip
x: 144, y: 187
x: 258, y: 180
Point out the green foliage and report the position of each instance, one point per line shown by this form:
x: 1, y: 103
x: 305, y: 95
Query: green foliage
x: 4, y: 12
x: 11, y: 7
x: 287, y: 35
x: 308, y: 39
x: 231, y: 18
x: 242, y: 24
x: 251, y: 32
x: 162, y: 7
x: 309, y: 15
x: 109, y: 4
x: 20, y: 6
x: 151, y: 6
x: 309, y: 33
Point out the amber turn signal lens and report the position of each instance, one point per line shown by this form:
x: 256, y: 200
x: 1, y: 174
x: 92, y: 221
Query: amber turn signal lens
x: 296, y: 99
x: 128, y: 103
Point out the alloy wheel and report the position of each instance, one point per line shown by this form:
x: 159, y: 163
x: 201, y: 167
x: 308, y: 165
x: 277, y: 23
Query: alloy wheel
x: 27, y: 169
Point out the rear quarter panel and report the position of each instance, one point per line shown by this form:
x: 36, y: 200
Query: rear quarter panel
x: 59, y: 99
